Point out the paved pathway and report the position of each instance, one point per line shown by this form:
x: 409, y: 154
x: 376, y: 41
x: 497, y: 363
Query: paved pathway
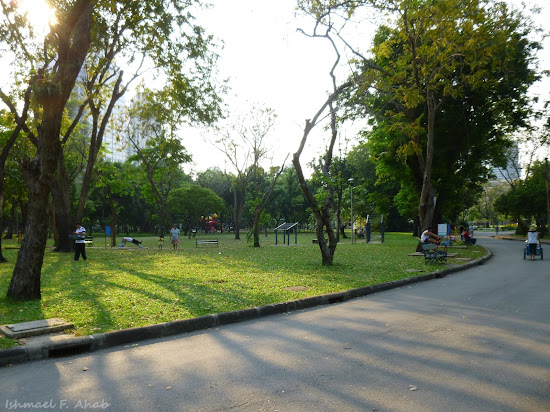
x: 477, y: 340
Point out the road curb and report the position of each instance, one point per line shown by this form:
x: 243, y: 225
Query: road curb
x: 85, y: 344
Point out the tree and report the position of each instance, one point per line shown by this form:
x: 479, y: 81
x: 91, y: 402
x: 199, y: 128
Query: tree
x: 190, y: 202
x: 438, y: 66
x: 65, y: 49
x: 151, y: 131
x: 527, y: 200
x: 114, y: 184
x: 8, y: 135
x: 261, y: 195
x: 484, y: 209
x: 244, y: 144
x: 288, y: 203
x: 164, y: 37
x: 217, y: 180
x: 131, y: 40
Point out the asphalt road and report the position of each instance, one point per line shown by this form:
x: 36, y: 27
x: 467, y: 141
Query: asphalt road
x: 478, y: 340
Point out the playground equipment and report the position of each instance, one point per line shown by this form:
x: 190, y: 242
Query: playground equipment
x: 287, y: 228
x: 374, y: 230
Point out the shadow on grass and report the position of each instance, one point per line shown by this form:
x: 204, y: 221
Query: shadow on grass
x: 121, y: 288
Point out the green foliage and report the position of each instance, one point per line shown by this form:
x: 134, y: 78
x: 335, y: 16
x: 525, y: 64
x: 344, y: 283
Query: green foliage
x: 288, y: 202
x: 528, y: 199
x: 469, y: 64
x: 190, y: 202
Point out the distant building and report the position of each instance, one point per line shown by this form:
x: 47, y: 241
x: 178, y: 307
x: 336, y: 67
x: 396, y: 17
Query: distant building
x: 512, y: 171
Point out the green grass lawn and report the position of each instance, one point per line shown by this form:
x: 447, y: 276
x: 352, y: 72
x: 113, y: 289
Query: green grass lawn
x: 122, y: 288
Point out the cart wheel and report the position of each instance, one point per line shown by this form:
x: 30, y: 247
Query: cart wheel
x: 541, y: 258
x: 524, y: 253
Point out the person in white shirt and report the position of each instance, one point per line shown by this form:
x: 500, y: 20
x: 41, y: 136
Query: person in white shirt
x: 80, y: 242
x: 532, y: 241
x: 429, y: 237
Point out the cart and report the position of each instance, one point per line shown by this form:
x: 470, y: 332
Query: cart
x: 538, y: 252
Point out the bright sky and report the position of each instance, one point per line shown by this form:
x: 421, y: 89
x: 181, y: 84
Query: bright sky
x: 269, y: 63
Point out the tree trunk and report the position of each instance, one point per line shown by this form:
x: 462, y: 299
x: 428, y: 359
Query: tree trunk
x: 426, y: 205
x: 113, y: 227
x: 238, y: 207
x: 98, y: 131
x: 257, y: 230
x: 25, y: 282
x: 52, y: 93
x: 2, y: 258
x: 161, y: 200
x: 62, y: 209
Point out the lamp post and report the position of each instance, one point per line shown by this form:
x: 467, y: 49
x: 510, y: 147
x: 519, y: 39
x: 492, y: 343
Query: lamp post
x: 350, y: 180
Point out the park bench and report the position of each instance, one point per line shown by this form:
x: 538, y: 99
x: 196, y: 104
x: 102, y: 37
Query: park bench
x: 432, y: 255
x: 89, y: 240
x: 206, y: 242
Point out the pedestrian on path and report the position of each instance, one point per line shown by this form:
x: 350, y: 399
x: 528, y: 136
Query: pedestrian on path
x: 533, y: 241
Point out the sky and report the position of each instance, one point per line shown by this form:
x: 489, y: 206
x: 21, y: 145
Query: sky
x: 269, y: 63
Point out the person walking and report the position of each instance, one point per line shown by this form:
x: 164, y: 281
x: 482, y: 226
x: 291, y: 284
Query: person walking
x: 533, y: 241
x: 175, y: 236
x: 80, y: 242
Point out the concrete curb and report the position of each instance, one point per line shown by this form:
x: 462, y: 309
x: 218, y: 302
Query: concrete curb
x: 85, y: 344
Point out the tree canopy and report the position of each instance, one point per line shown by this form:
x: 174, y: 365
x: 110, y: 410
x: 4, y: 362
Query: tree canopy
x: 447, y: 82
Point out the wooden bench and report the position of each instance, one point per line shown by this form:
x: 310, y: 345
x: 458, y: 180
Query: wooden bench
x: 207, y: 242
x: 89, y: 240
x: 432, y: 255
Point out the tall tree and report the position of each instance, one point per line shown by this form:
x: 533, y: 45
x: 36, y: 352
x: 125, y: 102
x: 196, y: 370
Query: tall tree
x: 244, y: 144
x: 528, y: 199
x: 151, y: 131
x: 131, y: 39
x: 445, y: 76
x: 217, y: 180
x: 288, y: 202
x: 64, y: 51
x: 164, y: 37
x: 190, y: 202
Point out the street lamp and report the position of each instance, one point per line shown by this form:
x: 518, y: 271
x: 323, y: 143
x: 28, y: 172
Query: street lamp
x: 350, y: 180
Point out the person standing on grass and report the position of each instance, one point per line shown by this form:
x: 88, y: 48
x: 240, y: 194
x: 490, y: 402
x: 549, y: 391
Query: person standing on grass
x: 175, y: 236
x: 532, y: 241
x: 80, y: 242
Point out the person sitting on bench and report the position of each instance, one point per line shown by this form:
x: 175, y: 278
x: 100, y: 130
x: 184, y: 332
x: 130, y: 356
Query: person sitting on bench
x: 429, y: 237
x: 468, y: 239
x: 131, y: 240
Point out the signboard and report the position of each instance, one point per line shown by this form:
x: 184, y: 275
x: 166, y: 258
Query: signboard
x: 107, y: 230
x: 443, y: 229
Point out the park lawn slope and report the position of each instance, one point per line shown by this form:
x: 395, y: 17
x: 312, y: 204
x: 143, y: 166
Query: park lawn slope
x: 122, y: 288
